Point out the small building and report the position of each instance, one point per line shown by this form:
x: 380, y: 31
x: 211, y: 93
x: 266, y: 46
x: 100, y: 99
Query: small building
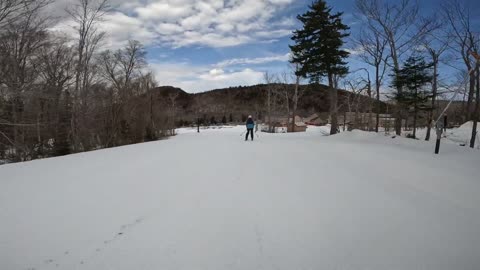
x: 300, y: 126
x: 365, y: 121
x: 311, y: 117
x: 316, y: 120
x: 282, y: 124
x: 273, y: 129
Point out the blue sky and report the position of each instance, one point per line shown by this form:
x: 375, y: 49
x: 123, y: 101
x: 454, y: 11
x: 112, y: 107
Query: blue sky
x: 200, y: 45
x: 208, y: 66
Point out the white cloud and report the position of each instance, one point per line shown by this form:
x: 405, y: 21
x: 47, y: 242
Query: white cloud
x: 180, y: 23
x: 164, y: 10
x: 208, y: 81
x: 120, y: 28
x: 186, y: 23
x: 216, y: 72
x: 273, y: 33
x: 355, y: 51
x: 254, y: 61
x: 194, y: 78
x: 197, y: 79
x: 207, y: 39
x: 169, y: 28
x: 225, y: 27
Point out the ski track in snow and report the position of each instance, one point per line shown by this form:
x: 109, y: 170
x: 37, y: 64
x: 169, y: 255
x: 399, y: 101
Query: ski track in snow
x: 122, y: 233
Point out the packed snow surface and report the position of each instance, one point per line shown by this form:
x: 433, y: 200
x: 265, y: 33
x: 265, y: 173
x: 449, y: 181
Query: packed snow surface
x: 213, y: 201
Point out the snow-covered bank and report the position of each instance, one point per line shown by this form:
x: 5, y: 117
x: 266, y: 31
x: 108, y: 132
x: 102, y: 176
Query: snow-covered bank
x: 459, y: 136
x: 213, y: 201
x: 463, y: 134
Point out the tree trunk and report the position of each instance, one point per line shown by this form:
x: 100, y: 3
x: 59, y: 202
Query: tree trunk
x: 153, y: 132
x: 333, y: 105
x: 76, y: 93
x: 377, y: 88
x: 415, y: 114
x: 295, y: 102
x: 15, y: 130
x: 471, y: 94
x: 477, y: 108
x: 356, y: 122
x: 434, y: 97
x: 269, y: 109
x: 369, y: 122
x: 396, y: 65
x: 288, y: 109
x: 39, y: 137
x: 398, y: 120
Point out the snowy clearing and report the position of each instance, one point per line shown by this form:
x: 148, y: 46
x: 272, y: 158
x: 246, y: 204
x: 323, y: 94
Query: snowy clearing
x: 213, y: 201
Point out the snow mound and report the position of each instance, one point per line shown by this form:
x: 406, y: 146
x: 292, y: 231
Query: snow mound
x: 462, y: 134
x: 468, y: 125
x: 322, y: 130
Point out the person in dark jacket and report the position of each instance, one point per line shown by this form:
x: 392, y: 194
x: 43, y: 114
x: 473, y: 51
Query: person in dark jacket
x: 250, y: 126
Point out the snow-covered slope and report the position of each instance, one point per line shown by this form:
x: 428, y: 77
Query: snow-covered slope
x: 462, y: 134
x: 214, y: 201
x: 458, y: 136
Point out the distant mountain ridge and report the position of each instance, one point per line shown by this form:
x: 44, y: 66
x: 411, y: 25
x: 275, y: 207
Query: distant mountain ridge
x: 251, y: 100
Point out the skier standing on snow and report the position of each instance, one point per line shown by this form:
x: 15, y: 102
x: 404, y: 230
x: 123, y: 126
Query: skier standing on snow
x: 250, y: 125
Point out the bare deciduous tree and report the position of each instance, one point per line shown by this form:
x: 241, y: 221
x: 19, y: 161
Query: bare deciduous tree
x: 8, y: 9
x: 458, y: 17
x: 355, y: 88
x: 58, y: 71
x: 373, y: 53
x: 399, y: 24
x: 269, y: 80
x: 12, y: 10
x: 56, y: 97
x: 173, y: 110
x: 461, y: 30
x: 435, y: 44
x: 476, y: 113
x: 86, y: 14
x: 20, y: 43
x: 292, y: 97
x: 122, y: 67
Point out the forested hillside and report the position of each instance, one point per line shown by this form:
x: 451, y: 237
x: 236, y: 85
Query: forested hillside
x: 235, y: 103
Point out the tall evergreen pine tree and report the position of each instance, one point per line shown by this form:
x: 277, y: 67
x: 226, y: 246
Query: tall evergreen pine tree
x: 318, y: 49
x: 414, y: 75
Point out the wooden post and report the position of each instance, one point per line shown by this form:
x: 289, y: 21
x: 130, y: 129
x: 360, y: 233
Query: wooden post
x: 439, y: 128
x: 437, y: 146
